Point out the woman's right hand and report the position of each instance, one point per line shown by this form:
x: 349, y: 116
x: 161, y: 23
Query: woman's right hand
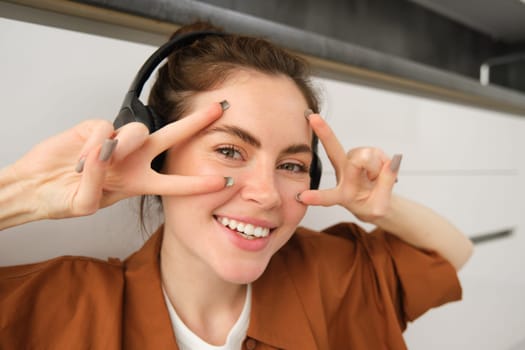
x: 46, y: 182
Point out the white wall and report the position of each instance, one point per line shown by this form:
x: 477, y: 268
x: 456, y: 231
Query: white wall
x: 466, y: 163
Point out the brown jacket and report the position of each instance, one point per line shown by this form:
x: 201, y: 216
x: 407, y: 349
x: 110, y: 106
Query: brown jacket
x: 342, y: 289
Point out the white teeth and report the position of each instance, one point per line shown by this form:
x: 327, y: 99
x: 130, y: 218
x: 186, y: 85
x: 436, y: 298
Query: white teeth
x: 232, y: 224
x: 258, y: 232
x: 246, y: 229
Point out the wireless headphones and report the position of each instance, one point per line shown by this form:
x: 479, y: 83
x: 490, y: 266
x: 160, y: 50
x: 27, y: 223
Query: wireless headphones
x: 133, y: 110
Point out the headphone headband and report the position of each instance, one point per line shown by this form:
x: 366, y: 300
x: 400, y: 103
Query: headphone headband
x: 133, y: 110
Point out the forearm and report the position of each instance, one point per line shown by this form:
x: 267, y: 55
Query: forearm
x: 17, y: 204
x: 423, y: 228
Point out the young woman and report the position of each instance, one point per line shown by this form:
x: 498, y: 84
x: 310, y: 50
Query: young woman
x: 229, y: 268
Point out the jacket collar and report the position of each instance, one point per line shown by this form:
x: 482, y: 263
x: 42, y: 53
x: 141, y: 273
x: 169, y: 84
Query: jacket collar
x: 277, y: 318
x: 278, y: 315
x: 146, y: 320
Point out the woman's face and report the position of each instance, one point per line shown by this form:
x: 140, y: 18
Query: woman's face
x: 263, y: 141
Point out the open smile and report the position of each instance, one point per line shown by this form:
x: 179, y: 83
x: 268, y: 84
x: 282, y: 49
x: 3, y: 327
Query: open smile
x: 246, y: 230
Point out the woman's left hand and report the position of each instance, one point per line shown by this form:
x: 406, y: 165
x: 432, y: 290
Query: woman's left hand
x: 365, y: 176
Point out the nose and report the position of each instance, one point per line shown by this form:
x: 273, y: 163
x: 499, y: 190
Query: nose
x: 260, y: 187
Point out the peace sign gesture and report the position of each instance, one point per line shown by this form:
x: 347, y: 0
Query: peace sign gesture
x: 365, y: 176
x: 110, y: 165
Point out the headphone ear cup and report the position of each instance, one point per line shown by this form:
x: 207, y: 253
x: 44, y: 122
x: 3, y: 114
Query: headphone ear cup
x: 154, y: 119
x: 316, y: 169
x: 124, y: 117
x: 156, y: 123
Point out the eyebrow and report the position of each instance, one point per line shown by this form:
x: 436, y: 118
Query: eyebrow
x: 247, y: 137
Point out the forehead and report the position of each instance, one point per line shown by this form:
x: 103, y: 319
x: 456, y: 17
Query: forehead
x: 256, y: 87
x: 261, y: 103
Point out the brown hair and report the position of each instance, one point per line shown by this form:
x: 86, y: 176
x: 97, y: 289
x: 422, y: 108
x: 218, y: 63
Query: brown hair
x: 208, y: 61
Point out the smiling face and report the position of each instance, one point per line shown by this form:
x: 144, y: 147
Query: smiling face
x: 263, y: 142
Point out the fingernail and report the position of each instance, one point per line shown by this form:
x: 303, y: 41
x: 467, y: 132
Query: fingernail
x: 225, y: 105
x: 307, y: 113
x: 80, y: 165
x: 107, y: 149
x: 298, y: 197
x: 396, y: 162
x: 228, y: 181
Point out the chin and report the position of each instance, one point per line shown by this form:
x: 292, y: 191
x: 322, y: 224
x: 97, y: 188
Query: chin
x: 243, y: 273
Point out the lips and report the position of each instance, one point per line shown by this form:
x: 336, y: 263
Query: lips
x: 245, y: 229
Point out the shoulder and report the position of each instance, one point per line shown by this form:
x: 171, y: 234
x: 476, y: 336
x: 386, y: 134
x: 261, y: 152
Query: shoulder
x: 330, y: 258
x: 338, y: 245
x: 62, y: 267
x: 67, y: 275
x: 52, y: 301
x: 346, y: 257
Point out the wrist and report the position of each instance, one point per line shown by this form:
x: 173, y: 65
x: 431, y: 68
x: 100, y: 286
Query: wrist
x: 387, y: 218
x: 17, y: 198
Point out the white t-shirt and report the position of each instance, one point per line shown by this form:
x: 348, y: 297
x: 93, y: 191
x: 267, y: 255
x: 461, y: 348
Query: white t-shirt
x: 187, y: 340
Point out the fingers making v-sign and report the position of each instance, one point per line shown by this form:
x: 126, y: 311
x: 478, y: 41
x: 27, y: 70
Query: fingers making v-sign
x: 365, y: 176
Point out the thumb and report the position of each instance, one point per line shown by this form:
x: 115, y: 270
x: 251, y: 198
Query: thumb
x: 388, y: 177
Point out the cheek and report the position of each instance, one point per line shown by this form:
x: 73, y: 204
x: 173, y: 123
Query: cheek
x: 295, y: 211
x: 176, y: 161
x: 182, y: 161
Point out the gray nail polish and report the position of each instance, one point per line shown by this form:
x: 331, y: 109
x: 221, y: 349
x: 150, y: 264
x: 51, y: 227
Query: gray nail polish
x: 107, y: 149
x: 225, y: 105
x: 307, y: 113
x: 396, y: 162
x: 298, y: 197
x: 80, y: 165
x: 228, y: 181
